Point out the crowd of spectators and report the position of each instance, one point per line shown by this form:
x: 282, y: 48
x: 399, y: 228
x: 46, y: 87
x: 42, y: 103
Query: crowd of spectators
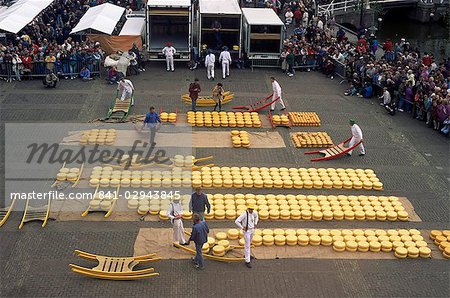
x: 403, y: 78
x: 45, y: 45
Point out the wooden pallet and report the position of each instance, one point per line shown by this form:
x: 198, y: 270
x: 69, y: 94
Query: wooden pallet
x: 335, y: 151
x: 6, y: 212
x: 115, y: 268
x: 33, y: 214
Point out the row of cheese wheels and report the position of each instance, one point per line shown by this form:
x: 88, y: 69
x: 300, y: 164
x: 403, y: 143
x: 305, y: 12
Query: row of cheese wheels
x: 285, y: 178
x: 404, y: 243
x: 311, y: 139
x: 224, y: 119
x: 442, y: 240
x: 168, y: 117
x: 240, y: 138
x: 103, y: 204
x: 304, y: 118
x: 280, y: 120
x: 70, y: 174
x: 98, y: 136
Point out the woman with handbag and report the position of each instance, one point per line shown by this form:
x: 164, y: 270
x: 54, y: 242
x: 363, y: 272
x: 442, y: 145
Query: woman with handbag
x: 217, y: 95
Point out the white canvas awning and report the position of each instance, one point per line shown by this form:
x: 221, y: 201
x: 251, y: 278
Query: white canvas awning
x: 102, y: 18
x: 169, y: 3
x: 262, y: 16
x: 21, y: 13
x: 220, y: 7
x: 133, y: 26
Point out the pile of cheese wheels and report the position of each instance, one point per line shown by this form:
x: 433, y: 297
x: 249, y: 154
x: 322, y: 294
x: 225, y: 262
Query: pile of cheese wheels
x: 240, y: 138
x: 157, y: 206
x: 98, y: 136
x: 311, y: 139
x: 108, y: 177
x: 308, y: 207
x: 224, y: 119
x: 304, y: 118
x: 442, y: 240
x: 69, y: 174
x: 263, y: 177
x: 396, y: 241
x: 168, y: 117
x: 103, y: 203
x: 280, y: 120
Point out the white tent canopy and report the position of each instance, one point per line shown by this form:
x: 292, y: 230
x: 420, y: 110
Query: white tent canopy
x: 133, y: 26
x: 261, y: 16
x: 220, y: 7
x: 169, y: 3
x: 102, y: 18
x: 21, y: 13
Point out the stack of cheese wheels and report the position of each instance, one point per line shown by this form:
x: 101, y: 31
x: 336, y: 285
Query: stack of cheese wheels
x: 98, y: 136
x: 168, y: 117
x: 276, y: 119
x: 240, y: 138
x: 306, y: 207
x: 101, y: 202
x: 442, y: 239
x: 311, y: 139
x: 69, y: 174
x: 403, y: 243
x: 304, y: 118
x: 292, y: 177
x: 224, y: 119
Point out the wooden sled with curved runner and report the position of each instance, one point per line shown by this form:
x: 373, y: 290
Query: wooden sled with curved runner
x: 335, y: 151
x: 207, y: 101
x: 6, y: 212
x: 115, y: 268
x: 257, y: 106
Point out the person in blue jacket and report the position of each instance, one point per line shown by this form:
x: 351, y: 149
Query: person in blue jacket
x: 199, y: 235
x: 153, y: 121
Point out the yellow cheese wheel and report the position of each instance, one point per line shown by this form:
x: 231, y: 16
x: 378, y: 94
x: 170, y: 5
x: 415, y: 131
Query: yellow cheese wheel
x: 386, y: 246
x: 424, y: 252
x: 339, y: 246
x: 363, y: 246
x: 268, y: 240
x: 218, y: 250
x: 257, y: 240
x: 280, y: 240
x: 326, y: 240
x: 413, y: 252
x: 221, y: 236
x: 351, y: 246
x: 233, y: 234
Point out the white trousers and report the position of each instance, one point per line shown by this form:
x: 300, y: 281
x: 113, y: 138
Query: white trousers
x: 352, y: 143
x: 169, y: 62
x: 210, y: 71
x: 225, y: 69
x: 248, y: 236
x: 280, y: 100
x: 125, y: 95
x: 178, y: 231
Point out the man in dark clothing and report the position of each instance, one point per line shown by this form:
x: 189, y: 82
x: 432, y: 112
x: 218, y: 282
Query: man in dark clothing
x: 153, y: 121
x: 198, y: 203
x: 194, y: 90
x: 290, y: 61
x: 199, y: 235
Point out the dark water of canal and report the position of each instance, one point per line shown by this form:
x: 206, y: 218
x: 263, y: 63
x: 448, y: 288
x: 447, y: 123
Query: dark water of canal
x: 433, y: 37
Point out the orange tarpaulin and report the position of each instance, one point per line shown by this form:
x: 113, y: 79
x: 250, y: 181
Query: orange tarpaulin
x: 111, y: 44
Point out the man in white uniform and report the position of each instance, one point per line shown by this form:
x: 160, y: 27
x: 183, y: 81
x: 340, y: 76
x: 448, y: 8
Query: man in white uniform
x: 225, y: 59
x: 126, y: 87
x: 247, y: 222
x: 276, y: 88
x: 356, y: 137
x: 174, y: 213
x: 210, y: 60
x: 169, y: 51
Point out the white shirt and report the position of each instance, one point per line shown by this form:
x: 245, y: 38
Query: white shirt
x: 253, y: 218
x: 169, y: 51
x: 276, y: 88
x: 320, y: 24
x: 386, y: 97
x: 126, y: 85
x: 174, y: 210
x: 225, y: 57
x: 210, y: 59
x: 357, y: 132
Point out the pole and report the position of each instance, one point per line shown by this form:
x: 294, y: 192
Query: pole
x: 361, y: 15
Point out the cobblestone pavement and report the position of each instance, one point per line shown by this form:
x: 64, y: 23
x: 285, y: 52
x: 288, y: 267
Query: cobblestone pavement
x: 409, y: 158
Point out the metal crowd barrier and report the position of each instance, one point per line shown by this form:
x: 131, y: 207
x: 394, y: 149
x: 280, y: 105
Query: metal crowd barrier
x: 340, y: 70
x: 305, y: 61
x: 34, y: 69
x: 265, y: 61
